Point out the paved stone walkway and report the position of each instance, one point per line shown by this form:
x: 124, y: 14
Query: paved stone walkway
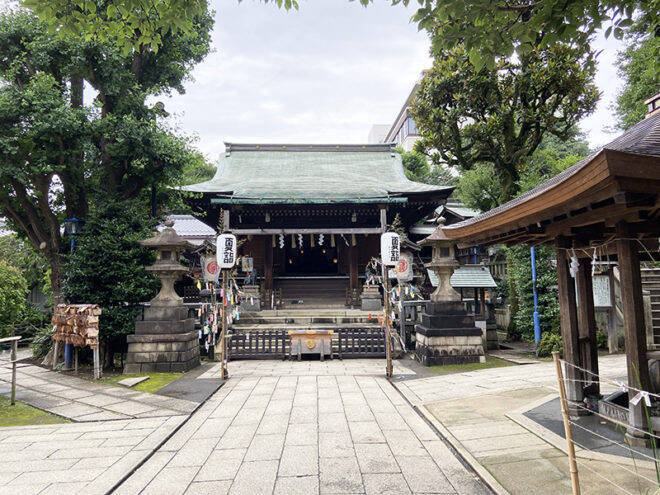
x: 305, y: 428
x: 83, y: 400
x: 474, y: 410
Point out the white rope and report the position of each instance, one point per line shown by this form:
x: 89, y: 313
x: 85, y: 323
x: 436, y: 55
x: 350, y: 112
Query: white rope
x: 617, y: 465
x: 628, y: 427
x: 625, y: 446
x: 611, y: 382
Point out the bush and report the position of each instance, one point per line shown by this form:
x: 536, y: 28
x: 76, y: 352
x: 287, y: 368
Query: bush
x: 550, y: 342
x: 601, y: 339
x: 13, y: 294
x: 42, y: 343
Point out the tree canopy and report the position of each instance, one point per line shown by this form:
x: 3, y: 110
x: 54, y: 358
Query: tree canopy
x: 500, y: 116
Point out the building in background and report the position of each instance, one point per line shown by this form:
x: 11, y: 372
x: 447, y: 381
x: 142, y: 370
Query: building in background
x: 403, y: 131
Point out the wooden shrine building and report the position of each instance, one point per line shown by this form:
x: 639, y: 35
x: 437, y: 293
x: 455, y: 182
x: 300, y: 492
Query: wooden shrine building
x: 311, y: 215
x: 606, y: 206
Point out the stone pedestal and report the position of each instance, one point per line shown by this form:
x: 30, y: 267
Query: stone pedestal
x: 492, y: 341
x: 371, y: 299
x: 165, y: 341
x: 447, y: 335
x: 252, y: 299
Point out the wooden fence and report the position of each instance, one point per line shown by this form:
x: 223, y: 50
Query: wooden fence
x: 262, y: 344
x: 275, y: 344
x: 360, y: 342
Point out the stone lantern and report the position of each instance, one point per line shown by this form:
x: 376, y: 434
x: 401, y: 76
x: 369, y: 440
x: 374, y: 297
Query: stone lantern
x: 443, y: 263
x: 446, y: 334
x: 167, y: 267
x: 165, y: 339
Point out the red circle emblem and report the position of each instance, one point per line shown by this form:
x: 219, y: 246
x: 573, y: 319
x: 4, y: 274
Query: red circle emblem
x: 402, y: 266
x: 212, y: 267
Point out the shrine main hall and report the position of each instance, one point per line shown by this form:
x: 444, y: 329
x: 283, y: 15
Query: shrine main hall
x: 310, y: 216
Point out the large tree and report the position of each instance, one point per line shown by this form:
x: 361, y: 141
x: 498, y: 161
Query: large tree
x: 499, y: 116
x: 639, y: 67
x: 57, y: 154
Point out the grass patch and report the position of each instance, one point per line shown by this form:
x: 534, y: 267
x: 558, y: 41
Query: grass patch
x: 23, y: 415
x: 491, y: 362
x: 155, y: 382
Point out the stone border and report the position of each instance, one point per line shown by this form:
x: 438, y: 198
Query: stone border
x: 558, y: 442
x: 481, y: 471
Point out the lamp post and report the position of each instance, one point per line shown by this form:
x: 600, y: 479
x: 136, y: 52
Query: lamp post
x: 537, y: 321
x: 72, y: 228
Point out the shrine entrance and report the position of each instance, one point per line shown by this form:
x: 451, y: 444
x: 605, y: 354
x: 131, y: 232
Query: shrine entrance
x: 316, y: 260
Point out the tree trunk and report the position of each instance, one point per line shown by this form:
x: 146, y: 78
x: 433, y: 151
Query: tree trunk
x: 56, y: 276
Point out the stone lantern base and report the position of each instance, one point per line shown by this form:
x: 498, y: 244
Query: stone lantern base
x: 164, y: 341
x: 447, y: 335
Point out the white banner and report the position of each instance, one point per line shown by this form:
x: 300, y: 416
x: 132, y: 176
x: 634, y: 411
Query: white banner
x: 404, y: 271
x: 226, y: 249
x: 390, y: 248
x: 210, y: 266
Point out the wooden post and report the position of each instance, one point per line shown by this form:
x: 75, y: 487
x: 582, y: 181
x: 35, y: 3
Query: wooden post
x: 634, y: 327
x: 14, y: 350
x: 587, y: 321
x: 612, y: 327
x: 268, y: 265
x: 75, y: 360
x: 97, y: 363
x: 56, y: 349
x: 353, y: 266
x: 223, y: 335
x: 569, y: 327
x: 388, y: 343
x: 575, y: 480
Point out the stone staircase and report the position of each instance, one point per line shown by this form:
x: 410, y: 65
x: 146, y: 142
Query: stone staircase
x: 321, y: 292
x: 651, y: 283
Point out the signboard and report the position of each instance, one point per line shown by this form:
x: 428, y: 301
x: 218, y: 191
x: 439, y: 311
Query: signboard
x: 247, y: 264
x: 210, y: 266
x: 404, y: 271
x: 602, y: 294
x: 226, y: 249
x: 390, y: 248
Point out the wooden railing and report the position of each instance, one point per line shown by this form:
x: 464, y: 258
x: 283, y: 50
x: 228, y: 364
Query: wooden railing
x: 259, y: 344
x: 360, y: 342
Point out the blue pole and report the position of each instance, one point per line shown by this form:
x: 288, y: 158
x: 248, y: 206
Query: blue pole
x: 537, y: 319
x: 68, y: 348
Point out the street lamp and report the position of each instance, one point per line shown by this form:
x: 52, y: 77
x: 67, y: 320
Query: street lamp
x: 72, y: 227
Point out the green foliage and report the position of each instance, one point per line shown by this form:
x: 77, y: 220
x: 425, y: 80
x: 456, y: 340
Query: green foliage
x: 130, y: 25
x: 500, y: 116
x: 546, y: 285
x: 417, y: 167
x: 30, y: 321
x: 42, y: 343
x: 479, y: 188
x: 494, y: 28
x: 549, y: 343
x: 639, y: 68
x: 108, y: 266
x: 13, y: 292
x: 197, y: 169
x: 23, y: 256
x: 601, y: 339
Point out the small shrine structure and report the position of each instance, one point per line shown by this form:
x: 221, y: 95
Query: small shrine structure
x: 606, y: 206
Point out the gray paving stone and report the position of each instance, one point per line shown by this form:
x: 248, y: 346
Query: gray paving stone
x: 298, y: 485
x: 194, y: 453
x: 385, y: 484
x: 405, y: 443
x: 302, y: 434
x: 375, y: 458
x: 209, y: 488
x: 221, y: 465
x: 335, y: 444
x: 276, y: 423
x: 299, y: 460
x: 131, y: 382
x: 340, y: 475
x: 423, y: 475
x: 171, y: 480
x: 255, y: 478
x: 329, y: 422
x: 265, y: 447
x: 237, y: 437
x: 366, y: 432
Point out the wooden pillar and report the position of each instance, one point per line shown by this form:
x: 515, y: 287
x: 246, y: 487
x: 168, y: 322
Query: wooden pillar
x: 587, y: 321
x: 482, y: 309
x: 569, y: 327
x: 353, y: 266
x: 476, y: 302
x: 634, y: 327
x: 268, y: 263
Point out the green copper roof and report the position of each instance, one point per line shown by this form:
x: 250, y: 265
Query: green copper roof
x: 312, y: 173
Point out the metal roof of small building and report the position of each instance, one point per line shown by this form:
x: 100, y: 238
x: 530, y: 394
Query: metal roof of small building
x: 471, y: 276
x: 312, y: 172
x: 190, y: 228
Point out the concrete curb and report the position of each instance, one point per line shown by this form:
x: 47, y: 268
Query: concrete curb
x: 483, y: 473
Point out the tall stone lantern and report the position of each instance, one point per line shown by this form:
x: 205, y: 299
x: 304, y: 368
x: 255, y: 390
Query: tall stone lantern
x: 168, y: 269
x: 447, y: 334
x: 443, y: 263
x: 165, y: 339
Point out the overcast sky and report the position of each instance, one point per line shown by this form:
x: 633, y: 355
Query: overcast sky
x: 324, y: 73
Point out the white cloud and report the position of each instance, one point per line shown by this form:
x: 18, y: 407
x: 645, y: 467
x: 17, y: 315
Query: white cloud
x: 325, y: 73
